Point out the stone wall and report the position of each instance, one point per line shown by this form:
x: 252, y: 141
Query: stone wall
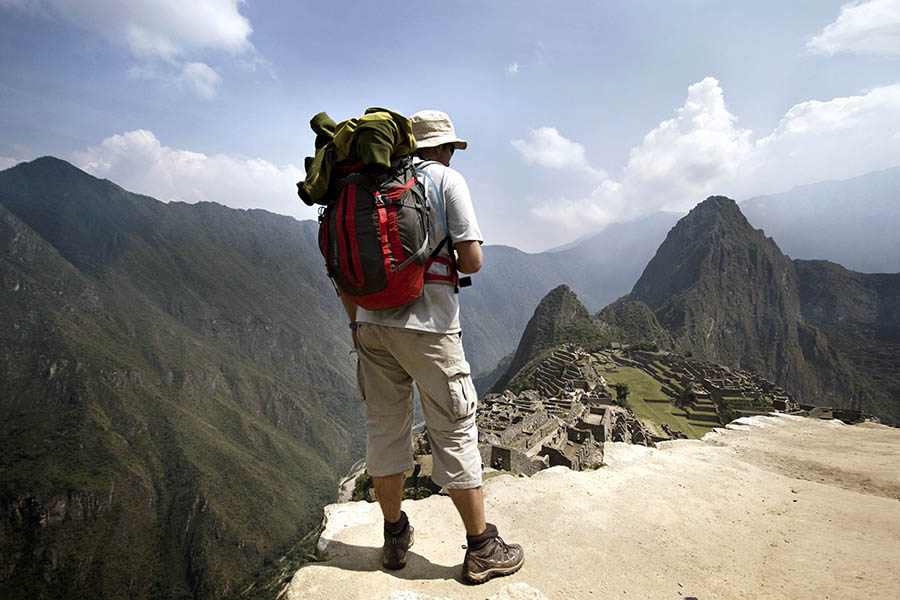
x: 522, y: 464
x: 602, y: 430
x: 529, y: 422
x: 555, y: 457
x: 509, y: 459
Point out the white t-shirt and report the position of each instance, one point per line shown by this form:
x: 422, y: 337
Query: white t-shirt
x: 437, y: 309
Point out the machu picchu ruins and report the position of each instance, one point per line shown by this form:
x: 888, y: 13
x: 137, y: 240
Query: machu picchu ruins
x: 566, y: 410
x: 569, y: 403
x: 568, y: 406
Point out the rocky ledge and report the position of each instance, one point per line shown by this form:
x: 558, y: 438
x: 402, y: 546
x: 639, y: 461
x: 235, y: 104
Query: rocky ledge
x: 767, y: 507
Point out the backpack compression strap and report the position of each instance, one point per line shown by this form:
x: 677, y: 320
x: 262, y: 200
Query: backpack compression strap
x: 450, y: 261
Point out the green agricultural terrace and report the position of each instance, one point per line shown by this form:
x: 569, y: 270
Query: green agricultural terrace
x: 641, y: 385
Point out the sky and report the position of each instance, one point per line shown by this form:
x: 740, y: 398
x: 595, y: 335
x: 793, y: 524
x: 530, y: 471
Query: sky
x: 578, y: 113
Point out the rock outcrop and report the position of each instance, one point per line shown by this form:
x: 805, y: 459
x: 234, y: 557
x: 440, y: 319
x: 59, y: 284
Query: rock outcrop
x: 769, y: 507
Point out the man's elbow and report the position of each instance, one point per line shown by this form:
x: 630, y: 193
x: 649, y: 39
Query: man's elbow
x: 469, y: 266
x: 469, y: 257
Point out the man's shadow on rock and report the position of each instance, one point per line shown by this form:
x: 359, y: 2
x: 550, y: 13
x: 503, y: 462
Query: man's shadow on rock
x: 349, y: 557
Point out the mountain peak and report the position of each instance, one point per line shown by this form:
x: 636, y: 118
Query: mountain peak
x: 718, y: 203
x: 49, y: 160
x: 47, y: 166
x: 82, y: 216
x: 715, y: 214
x: 559, y: 317
x: 712, y: 232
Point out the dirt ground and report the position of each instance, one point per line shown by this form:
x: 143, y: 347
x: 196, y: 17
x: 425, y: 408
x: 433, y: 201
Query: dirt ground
x: 771, y: 507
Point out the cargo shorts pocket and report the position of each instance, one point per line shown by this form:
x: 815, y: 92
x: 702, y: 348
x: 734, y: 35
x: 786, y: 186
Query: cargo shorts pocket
x: 463, y: 397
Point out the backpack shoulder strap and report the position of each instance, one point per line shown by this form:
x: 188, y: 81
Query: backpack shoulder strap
x: 454, y: 277
x: 437, y: 192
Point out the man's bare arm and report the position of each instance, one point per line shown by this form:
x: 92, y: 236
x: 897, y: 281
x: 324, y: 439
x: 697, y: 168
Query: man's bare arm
x: 469, y: 256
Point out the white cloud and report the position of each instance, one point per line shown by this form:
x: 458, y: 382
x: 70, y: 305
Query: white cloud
x: 547, y: 147
x: 200, y: 78
x: 7, y: 162
x: 681, y: 161
x: 875, y: 108
x: 158, y: 28
x: 871, y: 27
x: 137, y: 161
x: 688, y: 157
x: 513, y: 68
x: 606, y: 204
x: 164, y: 36
x: 835, y: 139
x: 702, y: 152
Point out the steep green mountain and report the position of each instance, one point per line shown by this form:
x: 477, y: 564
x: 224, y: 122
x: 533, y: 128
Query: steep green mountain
x: 177, y: 399
x: 726, y: 293
x: 860, y: 314
x: 851, y: 222
x: 632, y: 322
x: 559, y: 318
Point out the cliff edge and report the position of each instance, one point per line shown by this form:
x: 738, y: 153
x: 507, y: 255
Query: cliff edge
x: 768, y: 507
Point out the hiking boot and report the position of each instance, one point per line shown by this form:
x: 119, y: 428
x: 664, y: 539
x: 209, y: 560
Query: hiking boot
x: 493, y: 559
x: 393, y: 553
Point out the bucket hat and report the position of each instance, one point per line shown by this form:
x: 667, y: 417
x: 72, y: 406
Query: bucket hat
x: 433, y: 128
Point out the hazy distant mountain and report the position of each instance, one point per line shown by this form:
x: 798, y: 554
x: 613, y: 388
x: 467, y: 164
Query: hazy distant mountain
x: 851, y: 222
x: 177, y: 399
x: 599, y: 268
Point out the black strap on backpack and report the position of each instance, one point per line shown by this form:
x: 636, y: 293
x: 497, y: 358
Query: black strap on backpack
x: 454, y: 277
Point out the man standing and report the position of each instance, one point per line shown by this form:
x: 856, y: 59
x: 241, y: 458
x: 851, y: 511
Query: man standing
x: 420, y: 342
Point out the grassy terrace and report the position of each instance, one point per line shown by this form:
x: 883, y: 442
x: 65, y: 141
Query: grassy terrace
x: 641, y: 385
x: 664, y: 374
x: 748, y: 406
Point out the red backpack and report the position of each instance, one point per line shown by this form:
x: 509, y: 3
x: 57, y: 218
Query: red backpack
x: 373, y: 233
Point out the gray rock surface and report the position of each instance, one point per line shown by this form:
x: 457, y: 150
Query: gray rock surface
x: 769, y: 507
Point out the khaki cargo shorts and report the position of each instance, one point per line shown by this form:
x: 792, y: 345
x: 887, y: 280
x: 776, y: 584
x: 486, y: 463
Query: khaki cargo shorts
x: 390, y: 360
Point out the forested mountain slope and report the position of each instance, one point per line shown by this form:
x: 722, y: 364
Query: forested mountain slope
x: 177, y: 399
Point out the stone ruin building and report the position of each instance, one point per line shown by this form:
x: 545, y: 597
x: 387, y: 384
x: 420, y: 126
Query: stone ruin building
x: 565, y: 420
x: 526, y: 433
